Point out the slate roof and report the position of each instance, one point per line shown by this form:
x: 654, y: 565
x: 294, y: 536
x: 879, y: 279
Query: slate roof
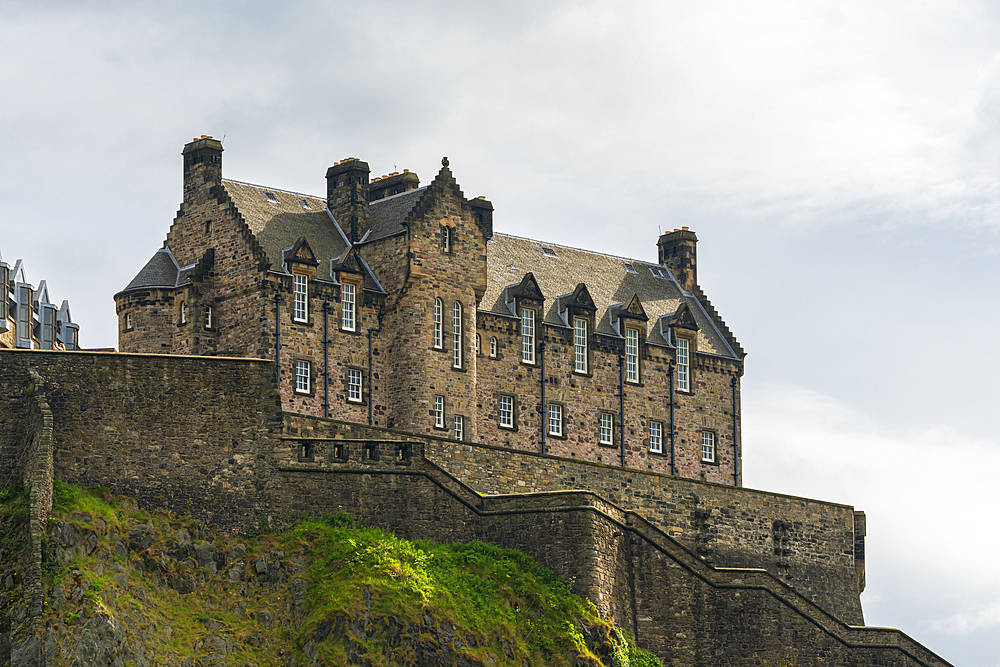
x: 278, y: 225
x: 160, y: 271
x: 385, y: 216
x: 608, y: 280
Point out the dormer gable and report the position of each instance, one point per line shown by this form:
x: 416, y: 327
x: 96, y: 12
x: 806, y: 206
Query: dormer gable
x: 626, y: 310
x: 525, y: 292
x: 349, y: 262
x: 577, y: 302
x: 682, y: 318
x: 299, y: 254
x: 42, y: 294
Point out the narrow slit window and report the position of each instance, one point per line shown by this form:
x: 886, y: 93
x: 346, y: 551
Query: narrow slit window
x: 208, y: 317
x: 493, y: 346
x: 184, y: 312
x: 347, y: 318
x: 301, y: 305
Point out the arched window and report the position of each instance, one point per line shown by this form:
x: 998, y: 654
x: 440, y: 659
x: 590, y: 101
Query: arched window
x: 493, y: 346
x: 477, y: 344
x: 184, y: 313
x: 438, y: 314
x: 456, y: 330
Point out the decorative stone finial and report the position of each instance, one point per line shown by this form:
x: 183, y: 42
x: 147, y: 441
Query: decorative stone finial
x: 444, y: 162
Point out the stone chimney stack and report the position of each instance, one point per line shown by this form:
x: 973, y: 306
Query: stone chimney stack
x: 202, y: 165
x: 678, y: 252
x: 347, y: 195
x: 392, y: 184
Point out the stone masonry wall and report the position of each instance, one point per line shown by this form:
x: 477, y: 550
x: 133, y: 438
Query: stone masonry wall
x: 190, y: 433
x: 808, y: 544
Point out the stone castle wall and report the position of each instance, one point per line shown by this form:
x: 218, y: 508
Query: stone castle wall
x: 205, y: 436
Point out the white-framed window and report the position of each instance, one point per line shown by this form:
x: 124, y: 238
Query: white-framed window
x: 708, y: 446
x: 302, y: 376
x: 493, y: 346
x: 208, y: 317
x: 301, y: 306
x: 656, y: 437
x: 606, y: 427
x: 48, y: 317
x: 354, y: 385
x: 438, y: 317
x: 128, y: 321
x: 184, y: 312
x: 348, y: 295
x: 505, y: 411
x: 23, y: 332
x: 579, y: 345
x: 439, y: 412
x: 555, y: 419
x: 632, y: 355
x: 683, y: 365
x: 477, y: 344
x: 456, y: 334
x: 527, y: 335
x: 459, y: 427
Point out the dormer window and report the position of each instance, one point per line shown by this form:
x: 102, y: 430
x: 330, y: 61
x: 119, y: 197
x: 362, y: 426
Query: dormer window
x: 632, y: 355
x: 23, y: 316
x: 301, y: 305
x: 683, y: 365
x: 48, y: 317
x: 4, y: 277
x: 269, y: 196
x: 580, y: 345
x: 527, y: 336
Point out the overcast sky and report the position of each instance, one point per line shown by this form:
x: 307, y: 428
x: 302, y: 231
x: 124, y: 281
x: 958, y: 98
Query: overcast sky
x: 839, y: 162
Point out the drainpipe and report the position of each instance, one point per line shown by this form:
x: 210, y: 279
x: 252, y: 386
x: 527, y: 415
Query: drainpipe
x: 736, y: 451
x: 371, y: 394
x: 277, y: 337
x: 544, y: 415
x: 326, y: 359
x: 621, y: 394
x: 673, y: 460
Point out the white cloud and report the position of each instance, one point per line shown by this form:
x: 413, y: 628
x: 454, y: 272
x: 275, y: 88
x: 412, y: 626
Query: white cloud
x: 967, y: 622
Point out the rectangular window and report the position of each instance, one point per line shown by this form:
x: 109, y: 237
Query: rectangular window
x: 527, y: 336
x: 505, y: 411
x: 73, y: 337
x: 632, y: 355
x: 208, y: 317
x: 48, y: 327
x: 683, y: 365
x: 128, y: 321
x: 439, y: 412
x: 301, y: 313
x: 607, y: 428
x: 23, y: 316
x: 459, y: 427
x: 302, y: 377
x: 555, y: 419
x: 579, y: 345
x: 708, y: 446
x: 347, y: 296
x: 354, y: 385
x: 438, y: 317
x: 656, y: 437
x: 456, y: 331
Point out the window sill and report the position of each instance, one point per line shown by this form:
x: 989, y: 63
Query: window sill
x: 507, y: 428
x: 583, y: 374
x: 562, y: 436
x: 605, y: 444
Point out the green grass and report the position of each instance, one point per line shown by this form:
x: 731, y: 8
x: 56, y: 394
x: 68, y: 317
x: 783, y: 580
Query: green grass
x: 492, y: 594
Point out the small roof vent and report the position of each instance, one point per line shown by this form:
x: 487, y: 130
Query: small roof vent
x: 629, y: 267
x: 305, y: 204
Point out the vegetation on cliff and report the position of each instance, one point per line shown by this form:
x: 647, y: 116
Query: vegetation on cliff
x: 154, y: 589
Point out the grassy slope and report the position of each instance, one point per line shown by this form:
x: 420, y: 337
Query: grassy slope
x: 503, y: 604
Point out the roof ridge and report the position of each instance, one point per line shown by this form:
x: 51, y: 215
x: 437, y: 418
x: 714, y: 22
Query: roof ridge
x: 269, y: 188
x: 569, y: 247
